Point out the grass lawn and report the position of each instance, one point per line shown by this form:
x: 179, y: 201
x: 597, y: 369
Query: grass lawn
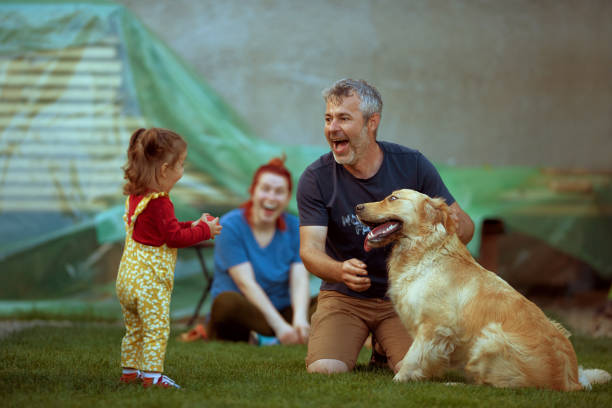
x: 79, y: 367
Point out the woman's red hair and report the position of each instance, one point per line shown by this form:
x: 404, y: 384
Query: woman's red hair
x: 275, y: 166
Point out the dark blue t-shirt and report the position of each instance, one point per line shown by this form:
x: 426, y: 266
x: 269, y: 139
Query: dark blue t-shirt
x: 327, y: 195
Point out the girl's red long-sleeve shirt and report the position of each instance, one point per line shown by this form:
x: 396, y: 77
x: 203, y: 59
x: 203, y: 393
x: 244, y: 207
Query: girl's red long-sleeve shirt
x: 157, y: 225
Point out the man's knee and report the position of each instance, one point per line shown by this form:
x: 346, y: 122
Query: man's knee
x: 327, y: 366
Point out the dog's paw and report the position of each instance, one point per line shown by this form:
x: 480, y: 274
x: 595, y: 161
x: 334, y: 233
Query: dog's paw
x: 405, y: 376
x: 400, y: 378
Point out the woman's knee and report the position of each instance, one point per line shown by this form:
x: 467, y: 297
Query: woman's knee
x: 225, y: 306
x: 327, y: 366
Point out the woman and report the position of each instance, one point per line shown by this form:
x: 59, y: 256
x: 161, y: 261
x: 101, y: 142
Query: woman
x: 260, y: 284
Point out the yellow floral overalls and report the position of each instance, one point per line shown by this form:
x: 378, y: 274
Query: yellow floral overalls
x: 144, y: 285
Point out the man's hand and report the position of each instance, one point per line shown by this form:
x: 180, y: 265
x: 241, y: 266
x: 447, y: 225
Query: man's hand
x: 354, y: 275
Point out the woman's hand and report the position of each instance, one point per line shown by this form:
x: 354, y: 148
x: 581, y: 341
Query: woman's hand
x: 244, y: 277
x: 302, y: 328
x: 299, y: 288
x: 287, y: 334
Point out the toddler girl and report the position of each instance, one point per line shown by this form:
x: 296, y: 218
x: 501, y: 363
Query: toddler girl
x: 155, y: 160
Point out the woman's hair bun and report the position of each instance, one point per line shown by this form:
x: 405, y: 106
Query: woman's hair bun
x: 278, y: 161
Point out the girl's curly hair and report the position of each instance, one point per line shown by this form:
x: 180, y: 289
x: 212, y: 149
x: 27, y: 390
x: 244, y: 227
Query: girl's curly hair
x: 148, y: 150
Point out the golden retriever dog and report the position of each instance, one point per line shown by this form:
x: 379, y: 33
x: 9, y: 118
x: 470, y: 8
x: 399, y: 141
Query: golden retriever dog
x: 460, y: 315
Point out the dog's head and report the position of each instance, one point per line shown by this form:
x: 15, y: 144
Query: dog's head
x: 403, y: 214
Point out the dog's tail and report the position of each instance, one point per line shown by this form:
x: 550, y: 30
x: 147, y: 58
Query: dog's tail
x: 590, y: 376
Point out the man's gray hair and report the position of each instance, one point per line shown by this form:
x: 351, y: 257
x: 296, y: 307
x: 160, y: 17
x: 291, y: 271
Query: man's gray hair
x: 371, y: 101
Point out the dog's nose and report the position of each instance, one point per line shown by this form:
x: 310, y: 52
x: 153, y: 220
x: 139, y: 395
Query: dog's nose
x: 359, y: 207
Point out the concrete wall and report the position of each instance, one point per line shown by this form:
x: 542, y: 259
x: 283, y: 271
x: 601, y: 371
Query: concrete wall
x: 468, y: 82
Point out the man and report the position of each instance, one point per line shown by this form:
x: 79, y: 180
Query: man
x: 352, y: 302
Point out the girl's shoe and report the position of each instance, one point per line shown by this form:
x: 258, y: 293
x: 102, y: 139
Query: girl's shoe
x: 162, y: 381
x: 131, y: 377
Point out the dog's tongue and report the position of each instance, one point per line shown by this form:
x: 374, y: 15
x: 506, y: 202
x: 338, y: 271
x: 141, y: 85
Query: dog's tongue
x: 379, y: 232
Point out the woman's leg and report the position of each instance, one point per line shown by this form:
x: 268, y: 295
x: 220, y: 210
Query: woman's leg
x: 233, y: 317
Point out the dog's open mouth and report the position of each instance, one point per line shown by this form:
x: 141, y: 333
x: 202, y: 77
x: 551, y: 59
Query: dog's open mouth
x: 379, y: 235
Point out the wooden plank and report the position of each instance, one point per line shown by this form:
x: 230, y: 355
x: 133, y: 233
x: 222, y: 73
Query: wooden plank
x: 107, y: 176
x: 49, y: 205
x: 88, y: 51
x: 64, y: 150
x: 49, y: 136
x: 197, y: 186
x: 113, y: 174
x: 115, y: 122
x: 52, y: 190
x: 103, y: 175
x: 66, y: 93
x: 54, y: 66
x: 94, y: 108
x: 84, y: 80
x: 85, y: 165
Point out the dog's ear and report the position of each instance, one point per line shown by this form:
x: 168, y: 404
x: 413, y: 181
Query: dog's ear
x: 438, y: 212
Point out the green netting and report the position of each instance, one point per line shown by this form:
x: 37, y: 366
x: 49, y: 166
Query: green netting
x: 76, y: 78
x: 569, y: 210
x: 86, y: 75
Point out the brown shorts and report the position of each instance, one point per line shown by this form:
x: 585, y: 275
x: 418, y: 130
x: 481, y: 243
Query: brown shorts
x: 341, y: 324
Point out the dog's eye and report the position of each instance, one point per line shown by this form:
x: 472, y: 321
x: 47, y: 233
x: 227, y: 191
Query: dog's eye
x: 391, y: 198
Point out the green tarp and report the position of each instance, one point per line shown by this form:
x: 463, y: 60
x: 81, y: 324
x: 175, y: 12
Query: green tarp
x: 77, y: 78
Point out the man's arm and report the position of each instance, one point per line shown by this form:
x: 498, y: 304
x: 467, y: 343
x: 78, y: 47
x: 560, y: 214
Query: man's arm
x: 465, y: 225
x: 312, y: 251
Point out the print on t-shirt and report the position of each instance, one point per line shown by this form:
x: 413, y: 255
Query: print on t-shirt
x: 352, y: 220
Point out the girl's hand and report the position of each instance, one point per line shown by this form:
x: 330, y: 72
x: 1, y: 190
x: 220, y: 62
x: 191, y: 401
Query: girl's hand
x: 213, y: 224
x: 204, y: 217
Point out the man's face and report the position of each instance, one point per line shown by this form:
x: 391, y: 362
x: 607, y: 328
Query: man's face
x: 345, y: 130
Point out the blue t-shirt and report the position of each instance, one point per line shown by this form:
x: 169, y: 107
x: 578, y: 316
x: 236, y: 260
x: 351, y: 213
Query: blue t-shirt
x: 327, y: 195
x: 236, y: 244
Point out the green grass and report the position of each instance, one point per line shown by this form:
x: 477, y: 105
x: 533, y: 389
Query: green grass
x: 79, y: 367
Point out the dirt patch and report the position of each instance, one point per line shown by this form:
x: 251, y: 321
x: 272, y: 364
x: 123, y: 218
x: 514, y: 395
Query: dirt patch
x: 587, y: 313
x: 8, y: 327
x: 11, y: 326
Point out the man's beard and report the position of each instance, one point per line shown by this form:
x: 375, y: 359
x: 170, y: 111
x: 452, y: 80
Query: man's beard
x: 345, y: 160
x: 351, y: 158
